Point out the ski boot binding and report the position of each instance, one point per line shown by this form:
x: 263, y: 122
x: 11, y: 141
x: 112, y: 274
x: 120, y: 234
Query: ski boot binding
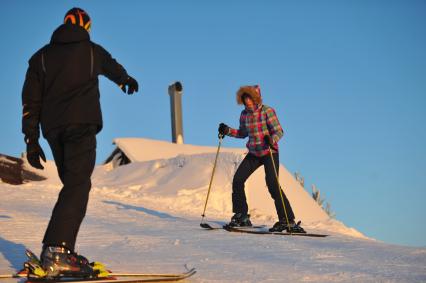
x: 59, y: 262
x: 240, y: 220
x: 291, y: 227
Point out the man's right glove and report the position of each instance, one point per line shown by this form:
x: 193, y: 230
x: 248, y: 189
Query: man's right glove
x: 223, y: 129
x: 132, y: 85
x: 34, y: 153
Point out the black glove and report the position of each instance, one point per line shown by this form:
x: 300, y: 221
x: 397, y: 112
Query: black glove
x: 223, y: 129
x: 132, y: 85
x: 269, y: 141
x: 34, y: 153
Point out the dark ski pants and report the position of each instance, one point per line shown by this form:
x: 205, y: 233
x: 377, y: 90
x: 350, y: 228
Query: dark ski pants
x: 74, y: 151
x: 246, y: 168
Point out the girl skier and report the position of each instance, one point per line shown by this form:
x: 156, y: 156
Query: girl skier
x: 260, y: 123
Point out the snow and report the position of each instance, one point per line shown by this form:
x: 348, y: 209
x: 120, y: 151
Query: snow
x: 144, y: 217
x: 5, y: 160
x: 179, y: 174
x: 141, y: 149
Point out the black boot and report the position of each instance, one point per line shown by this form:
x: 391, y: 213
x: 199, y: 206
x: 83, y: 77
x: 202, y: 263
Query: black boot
x: 61, y: 262
x: 290, y: 227
x: 240, y: 220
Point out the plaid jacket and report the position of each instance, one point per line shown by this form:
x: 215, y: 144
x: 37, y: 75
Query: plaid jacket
x: 256, y: 125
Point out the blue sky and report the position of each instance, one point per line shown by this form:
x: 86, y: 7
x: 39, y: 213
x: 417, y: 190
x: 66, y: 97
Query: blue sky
x: 346, y: 78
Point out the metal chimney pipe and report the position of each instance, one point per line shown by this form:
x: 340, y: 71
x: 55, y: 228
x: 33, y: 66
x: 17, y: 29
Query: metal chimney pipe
x: 175, y: 92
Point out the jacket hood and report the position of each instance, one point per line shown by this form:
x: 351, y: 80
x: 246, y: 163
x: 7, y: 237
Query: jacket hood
x: 253, y: 91
x: 68, y: 33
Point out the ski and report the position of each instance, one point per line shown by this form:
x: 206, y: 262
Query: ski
x: 207, y: 226
x: 137, y: 278
x: 111, y: 276
x: 35, y: 274
x: 266, y: 232
x: 171, y: 275
x: 20, y: 274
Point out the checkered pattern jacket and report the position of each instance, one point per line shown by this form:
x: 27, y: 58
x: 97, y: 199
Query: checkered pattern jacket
x: 256, y: 125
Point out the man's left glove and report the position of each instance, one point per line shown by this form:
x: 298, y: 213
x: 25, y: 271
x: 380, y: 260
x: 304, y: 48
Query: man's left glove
x: 34, y: 153
x: 132, y: 85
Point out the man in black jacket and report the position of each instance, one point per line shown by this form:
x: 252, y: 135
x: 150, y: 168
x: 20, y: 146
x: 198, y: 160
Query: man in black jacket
x: 61, y: 94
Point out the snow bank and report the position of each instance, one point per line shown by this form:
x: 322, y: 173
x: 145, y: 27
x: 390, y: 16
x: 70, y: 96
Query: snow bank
x: 175, y: 177
x: 144, y: 217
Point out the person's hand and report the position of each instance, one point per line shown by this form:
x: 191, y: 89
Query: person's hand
x: 269, y: 141
x: 34, y: 153
x: 223, y: 129
x: 131, y: 84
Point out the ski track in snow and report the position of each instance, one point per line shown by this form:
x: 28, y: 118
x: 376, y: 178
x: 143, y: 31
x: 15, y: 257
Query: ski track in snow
x: 138, y: 235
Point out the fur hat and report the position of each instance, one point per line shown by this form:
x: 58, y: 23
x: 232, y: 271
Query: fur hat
x: 252, y: 91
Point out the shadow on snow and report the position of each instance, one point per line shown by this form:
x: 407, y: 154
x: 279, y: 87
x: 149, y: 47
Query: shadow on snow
x: 13, y: 252
x: 143, y: 209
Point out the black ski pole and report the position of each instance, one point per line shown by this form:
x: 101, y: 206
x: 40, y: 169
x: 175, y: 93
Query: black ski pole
x: 279, y: 188
x: 205, y: 225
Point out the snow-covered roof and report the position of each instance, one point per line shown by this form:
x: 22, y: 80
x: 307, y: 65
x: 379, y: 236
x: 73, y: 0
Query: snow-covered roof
x: 142, y: 149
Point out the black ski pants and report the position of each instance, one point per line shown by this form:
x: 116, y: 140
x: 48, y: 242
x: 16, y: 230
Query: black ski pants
x: 246, y: 168
x: 74, y: 151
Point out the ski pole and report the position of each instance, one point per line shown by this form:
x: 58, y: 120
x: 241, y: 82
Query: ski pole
x: 211, y: 179
x: 279, y: 188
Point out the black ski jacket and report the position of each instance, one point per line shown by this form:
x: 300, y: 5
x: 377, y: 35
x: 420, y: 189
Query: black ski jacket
x: 61, y: 85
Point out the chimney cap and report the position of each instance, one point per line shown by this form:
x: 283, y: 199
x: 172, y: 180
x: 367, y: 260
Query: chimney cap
x: 175, y: 87
x: 178, y: 86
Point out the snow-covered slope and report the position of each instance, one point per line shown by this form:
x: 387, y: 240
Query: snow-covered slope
x: 183, y: 172
x: 145, y: 217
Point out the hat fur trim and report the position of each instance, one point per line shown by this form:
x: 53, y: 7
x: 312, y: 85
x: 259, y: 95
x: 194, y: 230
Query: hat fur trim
x: 253, y: 91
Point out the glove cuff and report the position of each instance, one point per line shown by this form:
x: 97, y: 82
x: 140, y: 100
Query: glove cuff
x: 31, y: 140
